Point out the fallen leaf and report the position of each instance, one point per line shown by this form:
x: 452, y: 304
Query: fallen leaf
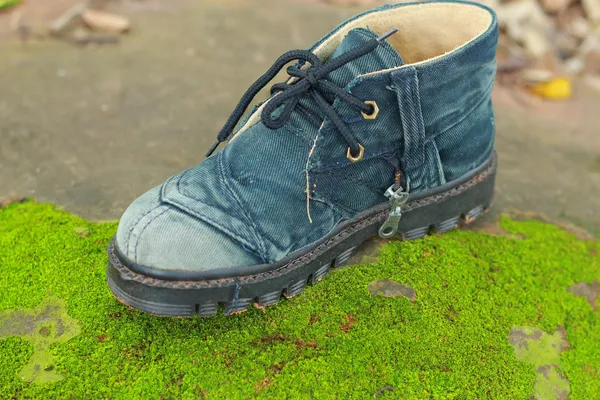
x: 102, y: 338
x: 555, y: 89
x: 349, y: 322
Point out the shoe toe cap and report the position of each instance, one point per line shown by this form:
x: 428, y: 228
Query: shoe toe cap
x: 159, y: 236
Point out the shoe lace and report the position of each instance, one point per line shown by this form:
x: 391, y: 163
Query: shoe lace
x: 309, y: 81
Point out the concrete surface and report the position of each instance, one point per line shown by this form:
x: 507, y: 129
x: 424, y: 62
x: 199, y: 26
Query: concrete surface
x: 92, y: 128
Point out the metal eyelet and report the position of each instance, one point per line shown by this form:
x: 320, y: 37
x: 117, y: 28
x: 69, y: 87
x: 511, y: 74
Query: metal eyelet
x: 358, y: 157
x: 375, y: 111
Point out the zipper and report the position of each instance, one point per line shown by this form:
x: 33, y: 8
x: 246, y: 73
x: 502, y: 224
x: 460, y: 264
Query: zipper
x: 398, y: 197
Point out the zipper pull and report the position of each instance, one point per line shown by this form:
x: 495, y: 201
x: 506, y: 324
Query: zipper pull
x: 399, y: 198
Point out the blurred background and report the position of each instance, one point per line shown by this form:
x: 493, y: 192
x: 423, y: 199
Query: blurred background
x: 102, y: 100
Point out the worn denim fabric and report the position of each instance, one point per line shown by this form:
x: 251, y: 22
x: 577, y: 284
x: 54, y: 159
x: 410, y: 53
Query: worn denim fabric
x: 247, y: 204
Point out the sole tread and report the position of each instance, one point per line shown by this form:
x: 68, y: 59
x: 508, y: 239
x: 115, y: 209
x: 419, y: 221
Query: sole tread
x: 269, y: 299
x: 343, y: 258
x: 295, y: 289
x: 447, y: 225
x: 319, y: 274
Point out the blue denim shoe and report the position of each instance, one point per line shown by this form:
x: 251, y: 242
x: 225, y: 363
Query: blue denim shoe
x: 385, y: 127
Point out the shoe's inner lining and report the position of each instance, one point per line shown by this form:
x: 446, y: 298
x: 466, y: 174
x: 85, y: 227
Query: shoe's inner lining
x: 426, y: 30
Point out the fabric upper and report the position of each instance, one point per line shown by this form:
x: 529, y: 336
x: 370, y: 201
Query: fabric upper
x: 270, y: 193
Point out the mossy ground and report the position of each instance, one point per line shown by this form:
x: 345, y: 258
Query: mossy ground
x: 336, y: 340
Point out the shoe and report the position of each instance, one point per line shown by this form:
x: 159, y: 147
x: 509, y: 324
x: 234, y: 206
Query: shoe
x: 384, y: 127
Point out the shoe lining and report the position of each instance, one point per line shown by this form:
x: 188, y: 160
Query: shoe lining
x: 426, y: 30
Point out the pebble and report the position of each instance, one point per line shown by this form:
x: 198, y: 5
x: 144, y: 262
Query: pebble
x: 574, y: 65
x: 555, y: 6
x: 534, y: 75
x: 592, y: 9
x: 579, y: 28
x: 106, y: 22
x: 535, y: 42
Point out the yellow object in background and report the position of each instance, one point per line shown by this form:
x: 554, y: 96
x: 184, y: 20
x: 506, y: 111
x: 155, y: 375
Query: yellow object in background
x: 554, y: 89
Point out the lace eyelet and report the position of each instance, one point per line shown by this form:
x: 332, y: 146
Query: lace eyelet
x: 358, y: 157
x: 373, y: 114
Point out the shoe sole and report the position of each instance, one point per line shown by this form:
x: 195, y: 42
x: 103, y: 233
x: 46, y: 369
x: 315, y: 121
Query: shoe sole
x: 456, y: 203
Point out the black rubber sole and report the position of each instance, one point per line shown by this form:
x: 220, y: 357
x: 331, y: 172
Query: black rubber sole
x: 437, y: 211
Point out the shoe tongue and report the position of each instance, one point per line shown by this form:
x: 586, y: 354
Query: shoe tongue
x: 383, y: 57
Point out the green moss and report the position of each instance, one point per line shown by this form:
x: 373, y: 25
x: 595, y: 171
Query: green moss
x: 334, y: 341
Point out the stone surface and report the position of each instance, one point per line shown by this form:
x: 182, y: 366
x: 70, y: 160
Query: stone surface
x: 591, y: 291
x: 387, y: 288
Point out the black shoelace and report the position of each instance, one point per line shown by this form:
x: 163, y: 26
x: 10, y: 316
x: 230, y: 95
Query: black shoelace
x: 308, y: 81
